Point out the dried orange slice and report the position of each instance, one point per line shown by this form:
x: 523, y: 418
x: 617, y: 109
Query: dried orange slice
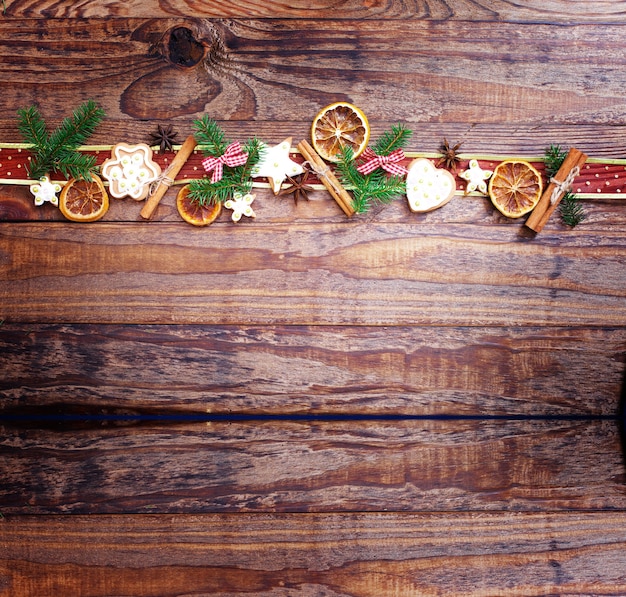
x: 515, y: 188
x: 339, y: 125
x: 84, y: 200
x: 193, y: 212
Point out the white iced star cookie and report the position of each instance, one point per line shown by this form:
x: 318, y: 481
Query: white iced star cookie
x: 427, y: 187
x: 476, y: 178
x: 241, y: 206
x: 130, y: 171
x: 276, y: 165
x: 45, y: 190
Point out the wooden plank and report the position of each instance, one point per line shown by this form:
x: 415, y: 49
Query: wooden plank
x: 298, y: 274
x: 142, y: 370
x: 527, y: 11
x: 602, y: 214
x: 312, y: 466
x: 506, y: 139
x: 362, y: 555
x: 268, y: 70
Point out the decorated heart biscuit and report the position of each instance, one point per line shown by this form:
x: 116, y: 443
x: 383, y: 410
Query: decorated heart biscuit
x: 427, y: 187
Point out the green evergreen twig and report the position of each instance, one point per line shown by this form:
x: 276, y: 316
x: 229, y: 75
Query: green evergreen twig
x: 389, y: 141
x: 553, y: 158
x: 570, y: 209
x: 378, y: 186
x: 58, y: 151
x: 234, y: 180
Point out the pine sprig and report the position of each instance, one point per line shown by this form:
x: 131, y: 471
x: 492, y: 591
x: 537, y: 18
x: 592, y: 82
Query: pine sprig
x: 234, y: 180
x: 58, y: 151
x: 389, y: 141
x: 211, y: 135
x: 77, y: 128
x: 366, y: 189
x: 570, y: 209
x: 32, y: 126
x: 378, y: 186
x: 553, y: 158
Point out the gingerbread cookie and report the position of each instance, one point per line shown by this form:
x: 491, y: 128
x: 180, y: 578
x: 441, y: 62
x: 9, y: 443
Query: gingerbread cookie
x: 130, y: 170
x: 428, y: 187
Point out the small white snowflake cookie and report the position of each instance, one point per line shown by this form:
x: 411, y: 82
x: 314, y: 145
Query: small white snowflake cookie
x: 130, y: 170
x: 476, y: 178
x: 276, y: 165
x: 45, y: 191
x: 428, y: 187
x: 241, y: 206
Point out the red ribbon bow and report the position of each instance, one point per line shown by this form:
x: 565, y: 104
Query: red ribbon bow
x: 233, y: 156
x: 386, y: 162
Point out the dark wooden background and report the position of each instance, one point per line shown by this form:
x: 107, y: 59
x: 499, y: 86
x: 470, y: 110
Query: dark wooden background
x: 303, y: 404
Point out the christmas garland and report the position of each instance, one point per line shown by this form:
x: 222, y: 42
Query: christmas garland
x: 216, y: 171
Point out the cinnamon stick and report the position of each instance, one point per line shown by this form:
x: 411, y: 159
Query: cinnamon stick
x: 559, y: 185
x: 327, y: 178
x: 168, y: 177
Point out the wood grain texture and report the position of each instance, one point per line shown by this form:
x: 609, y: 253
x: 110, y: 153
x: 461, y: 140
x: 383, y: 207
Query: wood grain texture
x: 143, y: 370
x: 286, y: 70
x: 310, y: 466
x: 300, y: 274
x: 356, y: 555
x: 303, y: 405
x: 531, y: 11
x: 602, y: 214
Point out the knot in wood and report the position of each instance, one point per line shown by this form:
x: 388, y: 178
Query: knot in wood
x: 191, y: 44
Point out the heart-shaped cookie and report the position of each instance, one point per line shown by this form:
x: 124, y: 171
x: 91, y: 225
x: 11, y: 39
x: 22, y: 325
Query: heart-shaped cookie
x: 427, y: 187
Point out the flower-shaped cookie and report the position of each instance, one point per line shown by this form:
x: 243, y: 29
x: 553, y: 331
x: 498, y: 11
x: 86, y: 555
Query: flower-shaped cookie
x: 130, y: 170
x: 45, y: 190
x: 241, y: 206
x: 476, y: 178
x: 428, y: 187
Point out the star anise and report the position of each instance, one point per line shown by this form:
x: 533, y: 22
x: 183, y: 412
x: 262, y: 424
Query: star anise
x: 298, y: 187
x: 164, y: 137
x: 450, y: 157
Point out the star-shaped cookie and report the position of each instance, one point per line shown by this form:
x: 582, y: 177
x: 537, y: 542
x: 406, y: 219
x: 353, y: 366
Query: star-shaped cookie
x: 476, y: 177
x: 276, y: 165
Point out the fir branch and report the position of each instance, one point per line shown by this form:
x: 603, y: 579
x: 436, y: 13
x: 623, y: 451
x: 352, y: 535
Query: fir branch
x: 374, y: 187
x: 572, y: 212
x: 554, y: 157
x: 570, y: 208
x: 389, y: 141
x: 58, y: 151
x: 210, y: 134
x: 77, y: 128
x: 32, y: 126
x: 234, y: 180
x: 73, y: 164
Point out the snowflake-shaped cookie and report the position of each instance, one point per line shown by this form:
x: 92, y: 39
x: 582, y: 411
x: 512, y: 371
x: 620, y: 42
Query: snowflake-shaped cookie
x: 241, y: 206
x: 276, y: 165
x: 130, y: 171
x: 45, y: 190
x: 476, y: 178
